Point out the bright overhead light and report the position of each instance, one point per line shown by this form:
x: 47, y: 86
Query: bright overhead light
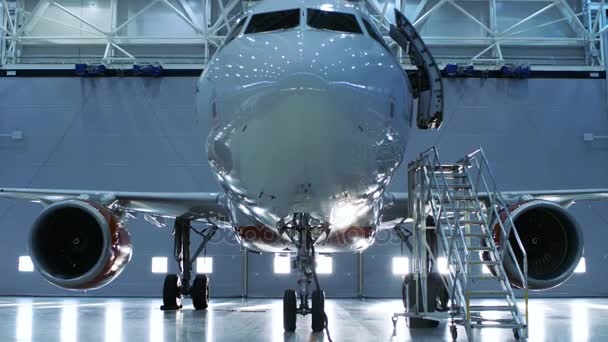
x: 401, y: 265
x: 282, y: 264
x: 25, y: 264
x: 581, y: 267
x: 159, y: 264
x: 324, y: 264
x: 442, y: 265
x: 204, y: 265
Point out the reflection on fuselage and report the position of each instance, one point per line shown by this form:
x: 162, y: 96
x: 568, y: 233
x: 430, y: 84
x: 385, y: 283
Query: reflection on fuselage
x: 305, y: 121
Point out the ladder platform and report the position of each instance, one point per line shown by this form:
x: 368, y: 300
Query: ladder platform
x: 499, y: 325
x: 491, y: 308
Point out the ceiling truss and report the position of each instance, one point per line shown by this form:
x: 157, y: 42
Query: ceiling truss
x: 47, y: 33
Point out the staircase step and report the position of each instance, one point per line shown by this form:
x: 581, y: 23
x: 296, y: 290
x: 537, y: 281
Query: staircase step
x: 467, y: 209
x: 478, y: 262
x: 479, y: 248
x: 460, y: 198
x: 450, y: 175
x: 463, y: 221
x: 487, y: 277
x: 448, y: 167
x: 492, y: 308
x: 455, y: 186
x: 471, y: 235
x: 478, y: 222
x: 487, y: 293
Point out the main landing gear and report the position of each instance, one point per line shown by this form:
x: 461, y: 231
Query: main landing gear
x: 177, y: 286
x: 301, y: 231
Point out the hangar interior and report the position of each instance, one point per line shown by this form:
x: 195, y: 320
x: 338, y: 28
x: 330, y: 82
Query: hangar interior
x: 126, y: 131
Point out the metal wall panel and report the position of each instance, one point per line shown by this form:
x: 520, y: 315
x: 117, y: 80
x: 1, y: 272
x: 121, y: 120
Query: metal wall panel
x: 141, y: 135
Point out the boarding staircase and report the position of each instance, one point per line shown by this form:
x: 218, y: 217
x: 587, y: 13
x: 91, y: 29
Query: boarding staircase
x: 471, y: 220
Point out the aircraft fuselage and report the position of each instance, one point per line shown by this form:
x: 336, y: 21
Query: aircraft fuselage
x: 305, y: 120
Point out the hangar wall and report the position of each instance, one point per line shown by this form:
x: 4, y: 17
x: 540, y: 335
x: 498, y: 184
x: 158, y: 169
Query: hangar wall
x: 141, y: 135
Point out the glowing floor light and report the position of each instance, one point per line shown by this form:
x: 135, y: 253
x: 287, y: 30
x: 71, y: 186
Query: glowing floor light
x: 204, y: 265
x: 401, y: 265
x: 282, y: 264
x: 159, y: 264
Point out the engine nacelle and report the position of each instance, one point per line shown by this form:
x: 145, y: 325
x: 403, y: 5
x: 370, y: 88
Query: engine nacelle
x: 79, y: 245
x: 553, y: 242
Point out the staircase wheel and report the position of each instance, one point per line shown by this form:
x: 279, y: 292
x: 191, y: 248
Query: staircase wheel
x: 454, y: 332
x: 435, y: 282
x: 516, y: 334
x: 406, y: 280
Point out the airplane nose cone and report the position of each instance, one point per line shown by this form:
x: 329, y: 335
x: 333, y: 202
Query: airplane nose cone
x: 303, y: 81
x: 304, y: 144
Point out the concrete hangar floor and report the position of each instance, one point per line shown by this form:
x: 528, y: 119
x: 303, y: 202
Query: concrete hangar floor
x: 49, y: 319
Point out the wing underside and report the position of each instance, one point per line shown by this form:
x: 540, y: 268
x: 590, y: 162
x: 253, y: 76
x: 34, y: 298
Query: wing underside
x: 159, y: 204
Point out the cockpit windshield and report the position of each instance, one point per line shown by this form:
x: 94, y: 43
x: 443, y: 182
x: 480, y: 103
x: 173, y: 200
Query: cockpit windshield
x: 332, y: 21
x: 274, y: 21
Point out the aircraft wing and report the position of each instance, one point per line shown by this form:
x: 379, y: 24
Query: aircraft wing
x: 396, y: 203
x: 153, y: 204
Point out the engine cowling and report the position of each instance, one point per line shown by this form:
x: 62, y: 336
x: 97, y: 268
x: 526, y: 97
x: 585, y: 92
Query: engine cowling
x: 79, y: 245
x: 553, y: 241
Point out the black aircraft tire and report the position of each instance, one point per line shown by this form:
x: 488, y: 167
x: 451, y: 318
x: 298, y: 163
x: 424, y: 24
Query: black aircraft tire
x: 200, y: 292
x: 289, y: 310
x: 172, y: 293
x: 318, y: 311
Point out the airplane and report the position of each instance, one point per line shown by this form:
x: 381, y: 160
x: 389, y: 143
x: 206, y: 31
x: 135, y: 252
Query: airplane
x: 312, y: 114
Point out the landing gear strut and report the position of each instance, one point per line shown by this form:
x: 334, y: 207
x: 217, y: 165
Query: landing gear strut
x: 177, y: 286
x: 301, y: 230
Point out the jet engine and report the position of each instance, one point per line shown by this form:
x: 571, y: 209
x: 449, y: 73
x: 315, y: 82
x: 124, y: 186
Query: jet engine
x: 553, y: 242
x: 79, y: 245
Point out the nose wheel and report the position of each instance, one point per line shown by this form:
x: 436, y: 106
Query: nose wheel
x: 290, y: 310
x: 200, y: 292
x: 318, y: 311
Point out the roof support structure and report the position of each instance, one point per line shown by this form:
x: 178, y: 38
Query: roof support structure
x: 118, y: 38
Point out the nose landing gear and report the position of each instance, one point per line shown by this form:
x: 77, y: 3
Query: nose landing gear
x: 300, y: 232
